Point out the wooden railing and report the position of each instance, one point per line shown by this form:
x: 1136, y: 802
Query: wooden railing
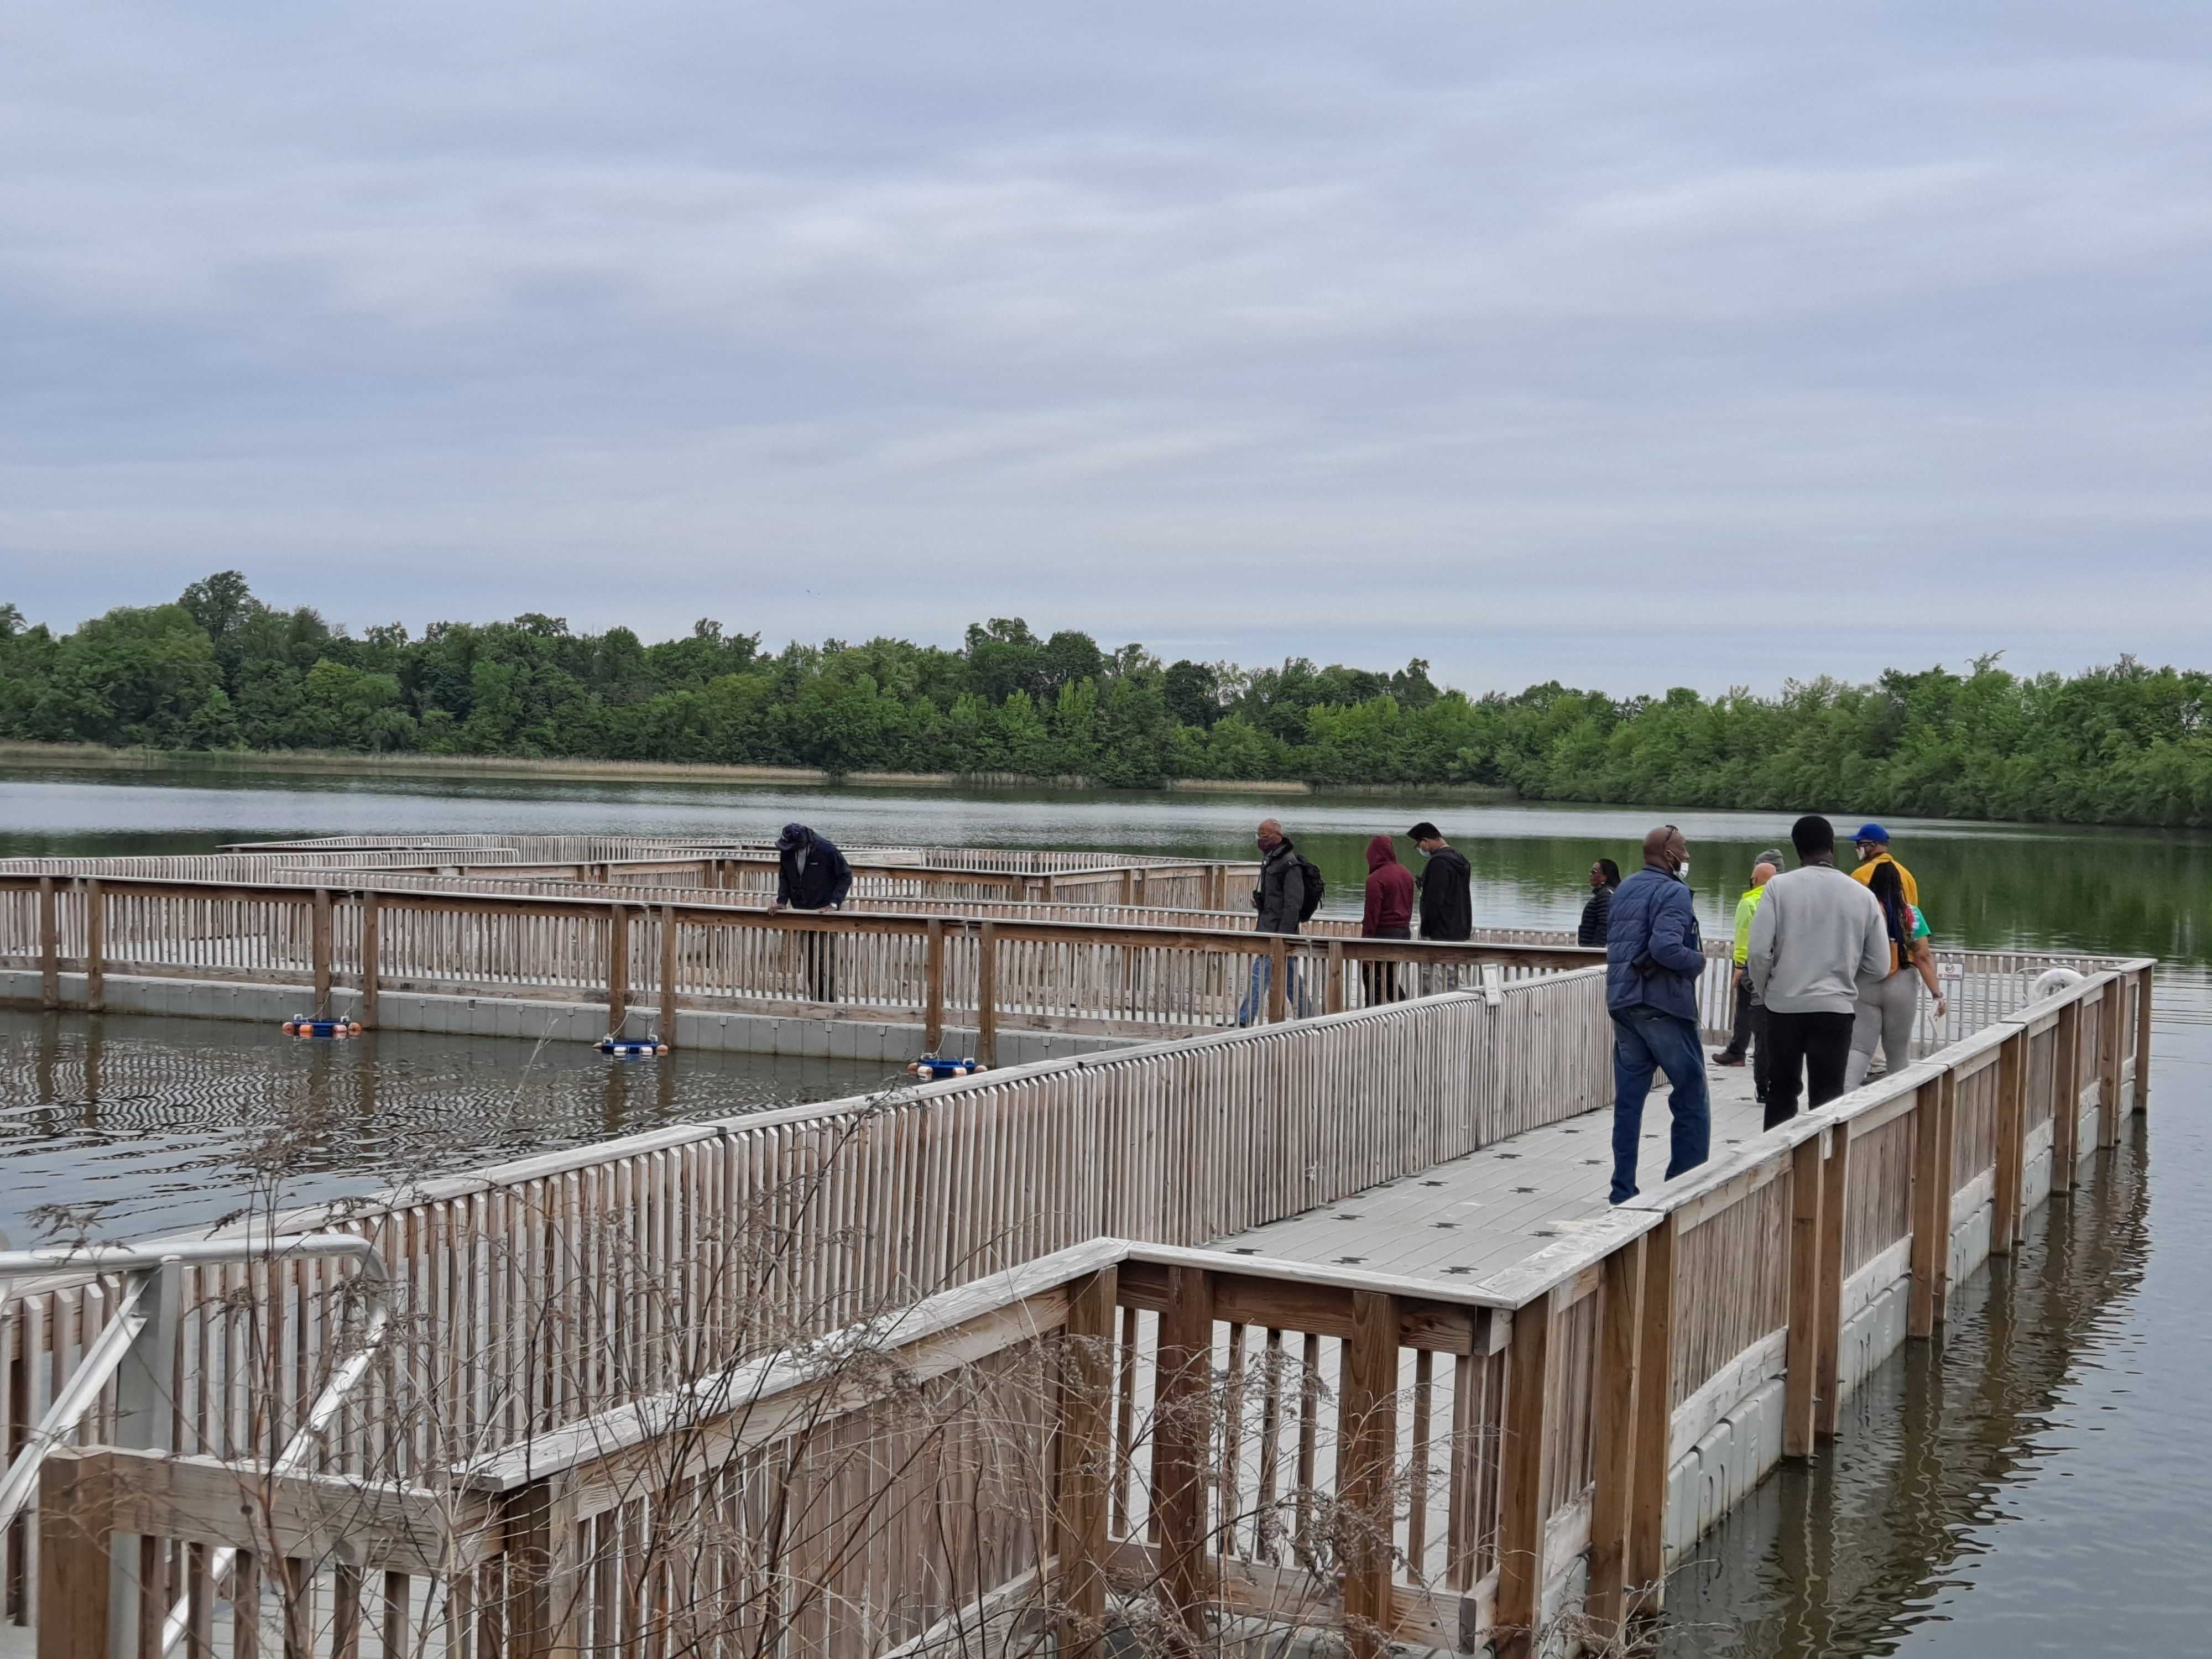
x: 1152, y: 1432
x: 1171, y: 883
x: 668, y: 957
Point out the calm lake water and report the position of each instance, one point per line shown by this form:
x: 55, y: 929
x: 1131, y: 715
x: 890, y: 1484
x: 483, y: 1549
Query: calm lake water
x: 2035, y: 1486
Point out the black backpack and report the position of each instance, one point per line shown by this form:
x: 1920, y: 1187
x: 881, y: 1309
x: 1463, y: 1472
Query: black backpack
x: 1315, y: 887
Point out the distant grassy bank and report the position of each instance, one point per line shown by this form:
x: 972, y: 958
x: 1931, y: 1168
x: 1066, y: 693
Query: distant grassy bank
x: 330, y: 763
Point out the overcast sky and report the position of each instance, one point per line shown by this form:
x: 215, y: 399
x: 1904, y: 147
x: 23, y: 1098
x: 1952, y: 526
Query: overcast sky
x: 1691, y: 344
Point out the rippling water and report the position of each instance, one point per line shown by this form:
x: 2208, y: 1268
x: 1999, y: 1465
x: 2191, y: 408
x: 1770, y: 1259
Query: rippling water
x: 123, y: 1124
x: 2035, y: 1485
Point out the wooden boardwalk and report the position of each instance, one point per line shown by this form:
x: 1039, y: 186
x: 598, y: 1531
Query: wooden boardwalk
x: 1481, y: 1213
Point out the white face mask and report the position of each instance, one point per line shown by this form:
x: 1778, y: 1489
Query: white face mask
x: 1682, y: 871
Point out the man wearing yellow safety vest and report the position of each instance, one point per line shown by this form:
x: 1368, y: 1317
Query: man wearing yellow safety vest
x: 1750, y: 1033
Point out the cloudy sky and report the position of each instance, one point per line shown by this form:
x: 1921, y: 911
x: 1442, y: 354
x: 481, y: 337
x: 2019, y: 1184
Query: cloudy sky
x: 1635, y: 346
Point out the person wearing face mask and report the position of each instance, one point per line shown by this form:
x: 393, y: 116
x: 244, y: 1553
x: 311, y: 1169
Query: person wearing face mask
x: 1654, y: 958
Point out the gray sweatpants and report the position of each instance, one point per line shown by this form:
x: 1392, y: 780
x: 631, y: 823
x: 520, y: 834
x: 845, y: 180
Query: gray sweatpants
x: 1887, y: 1011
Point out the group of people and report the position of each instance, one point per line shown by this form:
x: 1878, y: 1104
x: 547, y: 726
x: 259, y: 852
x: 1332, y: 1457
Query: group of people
x: 1440, y: 901
x: 1829, y: 967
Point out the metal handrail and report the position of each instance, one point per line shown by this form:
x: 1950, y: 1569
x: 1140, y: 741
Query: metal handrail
x: 144, y: 1266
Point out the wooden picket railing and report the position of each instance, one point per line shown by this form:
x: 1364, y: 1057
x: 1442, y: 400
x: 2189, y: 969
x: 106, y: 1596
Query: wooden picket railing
x: 618, y: 1419
x: 1110, y: 1432
x: 668, y: 957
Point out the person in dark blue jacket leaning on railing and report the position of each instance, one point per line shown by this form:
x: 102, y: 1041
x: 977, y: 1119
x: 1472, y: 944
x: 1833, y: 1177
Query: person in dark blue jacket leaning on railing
x: 1653, y: 959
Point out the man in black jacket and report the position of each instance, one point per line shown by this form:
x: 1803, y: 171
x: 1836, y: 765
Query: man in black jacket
x: 811, y: 874
x: 1604, y: 877
x: 1447, y: 897
x: 1280, y: 900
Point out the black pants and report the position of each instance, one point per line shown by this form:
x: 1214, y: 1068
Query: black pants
x: 1805, y: 1047
x: 1740, y: 1038
x: 1749, y: 1036
x: 817, y: 963
x: 1379, y: 981
x: 1762, y: 1052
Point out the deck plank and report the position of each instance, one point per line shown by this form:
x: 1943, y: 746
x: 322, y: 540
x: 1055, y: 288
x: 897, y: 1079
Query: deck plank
x: 1392, y: 1227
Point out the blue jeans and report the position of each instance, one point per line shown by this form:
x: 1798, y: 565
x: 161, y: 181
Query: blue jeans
x: 1255, y: 1005
x: 1643, y: 1041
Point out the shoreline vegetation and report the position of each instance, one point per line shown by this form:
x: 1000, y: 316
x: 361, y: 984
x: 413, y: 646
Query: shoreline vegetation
x: 219, y: 676
x: 326, y: 763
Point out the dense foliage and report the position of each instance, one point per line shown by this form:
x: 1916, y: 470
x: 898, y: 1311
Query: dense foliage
x: 219, y: 669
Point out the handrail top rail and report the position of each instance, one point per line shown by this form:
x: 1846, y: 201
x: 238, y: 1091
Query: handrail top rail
x: 298, y: 885
x: 1227, y: 941
x: 189, y: 1252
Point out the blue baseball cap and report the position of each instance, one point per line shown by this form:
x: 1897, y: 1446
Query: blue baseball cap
x: 1872, y: 832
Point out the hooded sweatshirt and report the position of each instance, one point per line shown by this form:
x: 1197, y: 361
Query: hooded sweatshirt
x: 1390, y: 891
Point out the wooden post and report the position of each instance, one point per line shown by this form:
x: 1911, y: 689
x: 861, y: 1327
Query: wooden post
x: 74, y: 1540
x: 1931, y: 1211
x: 1278, y: 967
x: 2012, y: 1141
x: 371, y: 945
x: 50, y: 945
x: 617, y: 968
x: 1654, y: 1426
x: 1801, y: 1378
x: 245, y: 1606
x: 1521, y: 1515
x: 932, y: 997
x: 95, y: 948
x: 2144, y: 981
x: 1835, y: 1208
x: 1182, y: 1421
x: 2113, y: 1053
x: 144, y: 1410
x: 1332, y: 1002
x: 1620, y: 1375
x: 986, y: 994
x: 668, y: 975
x: 539, y: 1535
x: 1946, y: 1186
x: 2065, y: 1098
x: 1085, y: 1470
x: 1128, y: 886
x: 319, y: 938
x: 1367, y: 1434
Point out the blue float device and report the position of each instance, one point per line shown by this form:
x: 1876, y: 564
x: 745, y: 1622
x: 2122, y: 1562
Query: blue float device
x: 623, y: 1048
x: 333, y: 1029
x: 932, y: 1067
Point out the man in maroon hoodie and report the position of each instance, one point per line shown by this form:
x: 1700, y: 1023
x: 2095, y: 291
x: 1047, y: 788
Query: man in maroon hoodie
x: 1389, y: 915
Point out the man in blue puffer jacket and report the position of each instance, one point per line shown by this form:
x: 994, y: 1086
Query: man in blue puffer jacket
x: 1653, y: 959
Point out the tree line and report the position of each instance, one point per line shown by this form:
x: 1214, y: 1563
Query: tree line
x: 219, y: 670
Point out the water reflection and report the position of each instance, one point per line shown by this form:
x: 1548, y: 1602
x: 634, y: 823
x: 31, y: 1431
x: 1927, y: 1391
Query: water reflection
x: 1852, y: 1553
x: 120, y: 1124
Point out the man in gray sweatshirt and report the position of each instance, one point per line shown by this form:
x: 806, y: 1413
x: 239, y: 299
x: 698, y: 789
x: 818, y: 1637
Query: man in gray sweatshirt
x: 1817, y: 934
